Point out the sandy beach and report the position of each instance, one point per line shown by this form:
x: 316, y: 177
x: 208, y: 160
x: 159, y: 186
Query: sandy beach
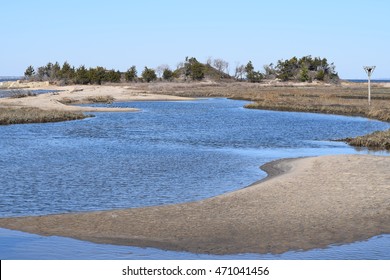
x: 68, y: 95
x: 303, y: 204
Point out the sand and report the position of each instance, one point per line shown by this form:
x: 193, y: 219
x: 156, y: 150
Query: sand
x: 306, y: 203
x: 80, y: 94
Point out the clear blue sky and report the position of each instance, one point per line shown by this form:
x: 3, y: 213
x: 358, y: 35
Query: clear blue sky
x: 118, y: 34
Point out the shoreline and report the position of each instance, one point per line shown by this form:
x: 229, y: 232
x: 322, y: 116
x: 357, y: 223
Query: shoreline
x: 346, y: 99
x: 302, y: 204
x: 65, y: 96
x: 236, y: 222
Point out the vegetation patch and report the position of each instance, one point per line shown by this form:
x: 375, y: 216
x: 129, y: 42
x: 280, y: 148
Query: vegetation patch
x: 382, y: 114
x: 21, y: 93
x: 68, y: 101
x: 378, y: 140
x: 90, y: 99
x: 34, y: 115
x: 100, y: 99
x: 304, y: 69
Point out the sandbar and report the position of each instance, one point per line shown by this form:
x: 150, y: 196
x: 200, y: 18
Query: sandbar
x: 81, y: 94
x: 305, y: 203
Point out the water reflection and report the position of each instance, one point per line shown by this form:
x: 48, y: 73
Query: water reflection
x: 19, y: 245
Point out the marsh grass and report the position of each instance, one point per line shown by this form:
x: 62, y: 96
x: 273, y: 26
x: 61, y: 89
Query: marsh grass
x: 378, y: 140
x: 68, y: 101
x: 90, y: 99
x: 17, y: 93
x: 100, y: 99
x: 34, y: 115
x: 348, y: 100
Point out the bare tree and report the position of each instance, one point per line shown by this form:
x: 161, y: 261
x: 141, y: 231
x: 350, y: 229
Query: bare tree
x: 269, y: 71
x: 160, y: 69
x: 239, y: 71
x: 221, y: 65
x: 209, y: 60
x: 180, y: 65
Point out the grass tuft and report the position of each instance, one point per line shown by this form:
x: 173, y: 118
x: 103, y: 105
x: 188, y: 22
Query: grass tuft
x: 100, y: 99
x: 378, y: 140
x: 108, y: 99
x: 34, y: 115
x: 21, y: 93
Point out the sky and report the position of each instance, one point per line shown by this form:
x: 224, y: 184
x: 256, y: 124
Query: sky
x: 117, y: 34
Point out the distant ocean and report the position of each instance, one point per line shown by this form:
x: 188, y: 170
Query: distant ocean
x: 9, y: 78
x: 14, y: 78
x: 365, y: 80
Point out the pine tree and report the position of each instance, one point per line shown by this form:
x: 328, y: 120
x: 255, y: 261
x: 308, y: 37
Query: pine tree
x: 167, y: 74
x: 29, y: 72
x: 131, y: 74
x: 149, y: 75
x: 82, y: 76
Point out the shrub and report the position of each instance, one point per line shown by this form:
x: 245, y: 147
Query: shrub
x: 167, y: 74
x: 149, y: 75
x: 34, y: 115
x: 131, y: 74
x: 100, y: 99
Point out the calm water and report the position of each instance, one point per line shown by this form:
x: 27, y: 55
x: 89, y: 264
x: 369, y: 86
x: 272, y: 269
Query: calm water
x: 9, y: 78
x: 372, y: 81
x: 119, y: 160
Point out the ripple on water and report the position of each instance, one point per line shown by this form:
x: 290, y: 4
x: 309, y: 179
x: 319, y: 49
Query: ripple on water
x: 170, y: 152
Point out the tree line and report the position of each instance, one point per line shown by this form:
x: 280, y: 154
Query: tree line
x: 305, y: 69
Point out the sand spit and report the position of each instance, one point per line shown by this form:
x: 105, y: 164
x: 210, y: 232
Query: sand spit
x: 68, y: 95
x: 311, y: 203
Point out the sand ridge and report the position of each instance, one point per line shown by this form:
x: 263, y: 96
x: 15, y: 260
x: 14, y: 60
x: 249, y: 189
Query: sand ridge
x: 310, y: 203
x: 54, y: 101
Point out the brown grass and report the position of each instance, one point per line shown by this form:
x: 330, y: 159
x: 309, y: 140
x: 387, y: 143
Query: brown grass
x: 35, y: 115
x: 90, y: 99
x: 100, y: 99
x: 18, y: 93
x: 347, y: 99
x: 67, y: 101
x: 378, y: 140
x: 331, y: 101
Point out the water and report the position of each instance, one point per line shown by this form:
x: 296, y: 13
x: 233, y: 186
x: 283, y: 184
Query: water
x: 121, y: 160
x: 20, y: 245
x: 372, y: 81
x: 9, y: 78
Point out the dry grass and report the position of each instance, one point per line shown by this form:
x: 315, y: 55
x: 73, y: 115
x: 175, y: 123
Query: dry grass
x: 35, y: 115
x: 338, y: 101
x: 68, y: 101
x: 18, y: 93
x: 379, y: 140
x: 347, y: 99
x: 100, y: 99
x: 89, y: 99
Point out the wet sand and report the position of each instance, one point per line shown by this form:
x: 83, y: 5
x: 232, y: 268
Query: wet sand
x: 305, y: 203
x: 80, y: 95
